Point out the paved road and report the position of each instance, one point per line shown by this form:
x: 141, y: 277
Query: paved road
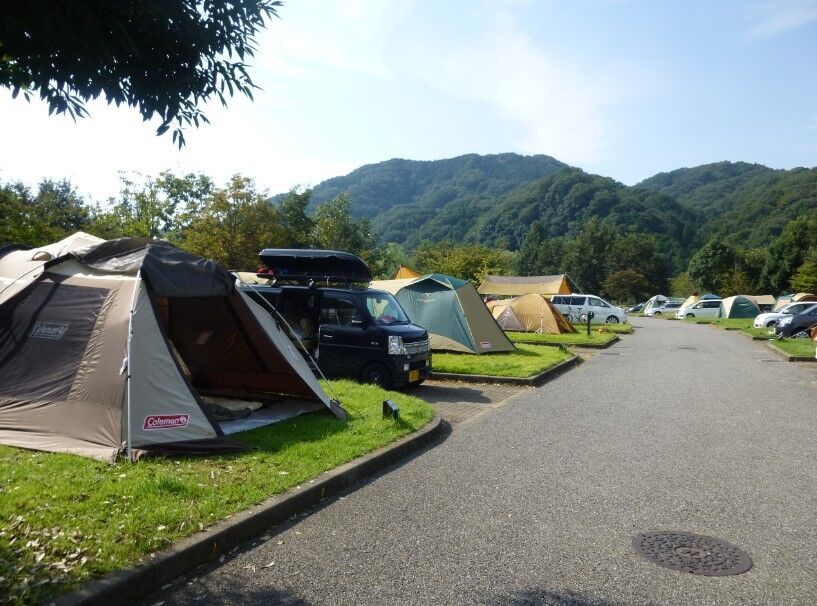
x: 678, y: 427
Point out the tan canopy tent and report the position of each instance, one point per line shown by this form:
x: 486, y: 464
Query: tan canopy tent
x: 530, y: 313
x: 764, y: 302
x: 113, y: 347
x: 405, y: 272
x: 451, y: 311
x: 521, y: 285
x: 800, y: 296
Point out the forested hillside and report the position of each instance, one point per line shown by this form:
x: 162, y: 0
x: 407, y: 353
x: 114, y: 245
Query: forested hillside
x: 748, y: 203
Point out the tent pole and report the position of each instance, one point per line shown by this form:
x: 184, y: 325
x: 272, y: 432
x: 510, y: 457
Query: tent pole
x: 128, y: 368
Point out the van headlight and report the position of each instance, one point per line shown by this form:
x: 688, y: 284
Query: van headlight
x: 396, y: 347
x: 784, y: 321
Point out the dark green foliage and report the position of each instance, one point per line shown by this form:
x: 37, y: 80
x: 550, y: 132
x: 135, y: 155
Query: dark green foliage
x: 749, y: 204
x: 788, y: 251
x: 55, y: 211
x: 710, y: 263
x: 294, y: 218
x: 467, y: 261
x: 628, y: 286
x: 539, y: 255
x: 164, y: 57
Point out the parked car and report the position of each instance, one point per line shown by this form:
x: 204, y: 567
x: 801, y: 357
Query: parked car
x: 576, y: 308
x: 637, y: 307
x: 769, y: 319
x: 352, y: 332
x: 707, y: 308
x: 666, y: 308
x: 796, y: 325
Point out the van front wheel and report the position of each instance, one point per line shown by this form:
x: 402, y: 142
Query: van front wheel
x: 612, y: 320
x: 377, y: 374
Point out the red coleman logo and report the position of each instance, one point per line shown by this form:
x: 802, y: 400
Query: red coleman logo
x: 165, y: 421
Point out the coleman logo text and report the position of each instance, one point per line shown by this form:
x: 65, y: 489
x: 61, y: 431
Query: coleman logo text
x: 165, y: 421
x: 48, y: 330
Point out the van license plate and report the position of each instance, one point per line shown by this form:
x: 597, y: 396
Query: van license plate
x: 414, y: 375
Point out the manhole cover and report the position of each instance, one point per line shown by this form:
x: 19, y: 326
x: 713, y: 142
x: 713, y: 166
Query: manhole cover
x: 692, y: 553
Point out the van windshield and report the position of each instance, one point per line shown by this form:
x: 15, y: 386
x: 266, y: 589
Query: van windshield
x: 384, y: 309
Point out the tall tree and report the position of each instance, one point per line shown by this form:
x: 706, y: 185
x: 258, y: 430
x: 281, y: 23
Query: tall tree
x: 805, y: 278
x: 585, y: 256
x: 710, y: 262
x: 163, y: 57
x: 638, y: 252
x: 335, y: 229
x: 295, y: 220
x: 787, y: 252
x: 626, y: 286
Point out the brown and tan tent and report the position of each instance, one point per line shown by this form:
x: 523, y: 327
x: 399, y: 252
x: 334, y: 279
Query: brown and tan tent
x: 404, y: 272
x: 784, y: 300
x: 114, y: 347
x: 521, y: 285
x: 531, y: 313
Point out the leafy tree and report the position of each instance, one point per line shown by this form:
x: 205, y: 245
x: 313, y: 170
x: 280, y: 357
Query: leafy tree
x: 627, y: 285
x: 55, y: 211
x: 682, y: 286
x: 294, y: 218
x: 385, y: 260
x: 805, y: 278
x: 540, y: 255
x: 787, y: 252
x: 469, y: 261
x: 234, y: 224
x: 585, y: 255
x: 638, y: 252
x: 335, y: 229
x: 735, y: 281
x: 709, y: 264
x: 164, y: 57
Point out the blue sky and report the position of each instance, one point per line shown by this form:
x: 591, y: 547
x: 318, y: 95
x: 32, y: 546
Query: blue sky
x: 620, y: 88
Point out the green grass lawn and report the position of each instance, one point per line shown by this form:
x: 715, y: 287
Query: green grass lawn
x: 619, y: 329
x: 64, y: 519
x: 526, y: 361
x: 758, y: 332
x: 575, y: 338
x: 797, y: 347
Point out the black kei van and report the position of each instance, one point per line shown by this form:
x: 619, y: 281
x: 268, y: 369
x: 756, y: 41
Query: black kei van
x: 351, y: 331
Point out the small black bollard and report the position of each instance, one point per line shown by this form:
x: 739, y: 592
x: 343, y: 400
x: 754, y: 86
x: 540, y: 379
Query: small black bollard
x: 390, y: 409
x: 590, y: 316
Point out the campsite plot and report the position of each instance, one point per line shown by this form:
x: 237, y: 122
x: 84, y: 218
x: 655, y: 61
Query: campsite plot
x: 802, y: 348
x: 526, y: 361
x: 65, y: 518
x: 578, y: 339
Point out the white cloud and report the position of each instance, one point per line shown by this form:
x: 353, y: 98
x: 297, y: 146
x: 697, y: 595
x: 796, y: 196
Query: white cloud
x: 558, y: 108
x: 779, y: 16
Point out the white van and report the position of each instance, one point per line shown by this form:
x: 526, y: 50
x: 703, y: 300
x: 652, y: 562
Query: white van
x: 707, y: 308
x: 576, y: 307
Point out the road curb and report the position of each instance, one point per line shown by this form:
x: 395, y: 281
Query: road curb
x: 569, y: 345
x: 755, y: 337
x: 128, y: 585
x: 543, y: 377
x: 790, y: 358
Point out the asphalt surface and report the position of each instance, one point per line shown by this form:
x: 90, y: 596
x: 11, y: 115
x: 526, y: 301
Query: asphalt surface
x: 677, y: 427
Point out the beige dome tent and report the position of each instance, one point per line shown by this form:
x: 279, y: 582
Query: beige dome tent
x: 114, y: 346
x: 531, y: 313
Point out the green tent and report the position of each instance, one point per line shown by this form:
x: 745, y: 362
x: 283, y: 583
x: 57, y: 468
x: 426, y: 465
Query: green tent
x: 738, y: 307
x: 451, y: 311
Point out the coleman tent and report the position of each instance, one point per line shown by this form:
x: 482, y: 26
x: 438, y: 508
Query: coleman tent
x: 20, y: 264
x: 114, y: 347
x: 800, y: 296
x: 451, y: 311
x: 405, y: 272
x: 521, y: 285
x: 738, y: 307
x: 531, y: 313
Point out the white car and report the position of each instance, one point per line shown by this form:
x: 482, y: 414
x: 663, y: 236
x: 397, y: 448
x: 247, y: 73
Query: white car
x: 668, y: 308
x: 770, y: 318
x: 707, y: 308
x: 576, y: 307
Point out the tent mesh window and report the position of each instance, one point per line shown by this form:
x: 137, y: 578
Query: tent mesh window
x: 43, y: 335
